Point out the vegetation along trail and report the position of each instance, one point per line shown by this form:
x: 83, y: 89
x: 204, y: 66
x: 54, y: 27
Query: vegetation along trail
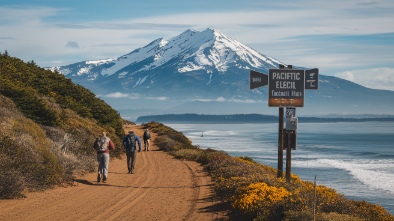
x: 162, y: 188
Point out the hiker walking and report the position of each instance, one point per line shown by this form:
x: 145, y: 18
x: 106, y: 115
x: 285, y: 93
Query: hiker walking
x: 146, y: 140
x: 129, y: 143
x: 103, y: 145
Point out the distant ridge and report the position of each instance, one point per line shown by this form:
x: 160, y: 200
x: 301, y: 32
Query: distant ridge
x: 251, y: 118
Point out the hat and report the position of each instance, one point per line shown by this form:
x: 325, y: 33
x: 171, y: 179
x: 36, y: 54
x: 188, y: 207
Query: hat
x: 131, y: 132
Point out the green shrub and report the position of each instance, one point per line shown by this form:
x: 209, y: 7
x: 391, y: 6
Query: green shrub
x: 226, y: 188
x: 260, y: 198
x: 165, y: 143
x: 214, y: 160
x: 369, y: 211
x: 175, y: 136
x: 308, y: 215
x: 31, y: 156
x: 188, y: 154
x: 12, y: 183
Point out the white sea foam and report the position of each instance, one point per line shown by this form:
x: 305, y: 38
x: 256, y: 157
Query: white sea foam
x: 373, y: 173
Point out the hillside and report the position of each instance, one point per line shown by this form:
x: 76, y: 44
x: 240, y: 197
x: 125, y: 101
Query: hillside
x: 48, y: 127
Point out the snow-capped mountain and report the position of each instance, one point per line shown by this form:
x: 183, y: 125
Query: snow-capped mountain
x: 203, y: 58
x: 184, y: 72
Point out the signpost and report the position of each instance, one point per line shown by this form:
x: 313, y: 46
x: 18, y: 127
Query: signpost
x: 312, y: 79
x: 286, y: 88
x: 257, y: 79
x: 290, y: 137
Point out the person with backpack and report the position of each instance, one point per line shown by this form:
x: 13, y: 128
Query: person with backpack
x: 129, y: 143
x: 103, y: 145
x: 146, y: 140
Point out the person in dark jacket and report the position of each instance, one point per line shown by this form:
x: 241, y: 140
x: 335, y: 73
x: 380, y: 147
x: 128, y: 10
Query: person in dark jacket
x: 103, y: 145
x: 129, y: 143
x: 146, y: 140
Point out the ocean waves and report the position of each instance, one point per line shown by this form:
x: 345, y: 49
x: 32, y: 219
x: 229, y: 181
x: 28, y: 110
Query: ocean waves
x: 376, y: 174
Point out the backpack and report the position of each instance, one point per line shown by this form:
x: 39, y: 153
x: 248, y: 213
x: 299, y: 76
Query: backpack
x: 146, y: 135
x: 101, y: 143
x: 130, y: 142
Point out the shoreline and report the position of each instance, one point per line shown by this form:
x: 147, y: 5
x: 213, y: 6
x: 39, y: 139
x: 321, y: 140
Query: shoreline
x: 250, y: 118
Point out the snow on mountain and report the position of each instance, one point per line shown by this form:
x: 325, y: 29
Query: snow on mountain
x: 218, y: 51
x: 207, y: 50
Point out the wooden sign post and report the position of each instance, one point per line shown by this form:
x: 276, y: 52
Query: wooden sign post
x: 286, y: 88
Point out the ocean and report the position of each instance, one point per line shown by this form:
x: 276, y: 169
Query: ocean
x: 356, y: 159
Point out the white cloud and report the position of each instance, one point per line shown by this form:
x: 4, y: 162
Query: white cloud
x: 232, y: 100
x: 116, y: 95
x: 157, y: 98
x: 133, y: 96
x: 375, y: 78
x: 219, y: 99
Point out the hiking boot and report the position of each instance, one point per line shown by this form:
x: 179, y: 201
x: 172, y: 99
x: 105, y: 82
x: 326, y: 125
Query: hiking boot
x: 98, y: 178
x: 104, y: 179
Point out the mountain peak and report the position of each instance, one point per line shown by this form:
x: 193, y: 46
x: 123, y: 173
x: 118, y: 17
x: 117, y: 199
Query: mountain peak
x: 208, y: 51
x: 208, y: 33
x: 192, y: 31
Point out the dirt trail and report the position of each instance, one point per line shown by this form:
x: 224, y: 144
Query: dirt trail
x: 162, y: 188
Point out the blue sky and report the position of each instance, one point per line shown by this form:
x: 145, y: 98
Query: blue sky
x: 351, y: 39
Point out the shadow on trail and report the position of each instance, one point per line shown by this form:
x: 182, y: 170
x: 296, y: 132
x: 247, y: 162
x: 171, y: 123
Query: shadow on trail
x: 118, y: 172
x: 219, y: 209
x: 87, y: 182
